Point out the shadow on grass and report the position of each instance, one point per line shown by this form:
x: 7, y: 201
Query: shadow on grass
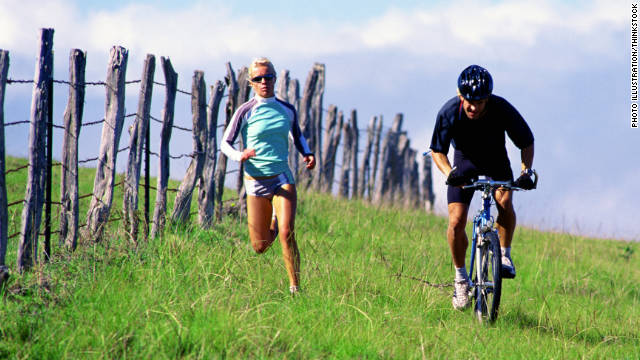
x: 591, y: 335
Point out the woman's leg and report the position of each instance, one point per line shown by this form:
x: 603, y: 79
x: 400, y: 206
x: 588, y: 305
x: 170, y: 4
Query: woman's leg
x: 259, y: 219
x: 285, y: 201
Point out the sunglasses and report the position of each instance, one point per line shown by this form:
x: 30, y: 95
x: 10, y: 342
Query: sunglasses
x: 267, y: 77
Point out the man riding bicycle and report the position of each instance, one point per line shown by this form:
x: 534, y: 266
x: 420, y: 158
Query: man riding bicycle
x: 475, y: 122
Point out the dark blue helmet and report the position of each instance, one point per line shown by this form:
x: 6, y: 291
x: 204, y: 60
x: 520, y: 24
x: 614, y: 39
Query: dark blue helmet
x: 475, y: 83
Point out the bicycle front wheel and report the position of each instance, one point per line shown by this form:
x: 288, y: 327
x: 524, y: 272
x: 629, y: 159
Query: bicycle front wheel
x: 488, y: 280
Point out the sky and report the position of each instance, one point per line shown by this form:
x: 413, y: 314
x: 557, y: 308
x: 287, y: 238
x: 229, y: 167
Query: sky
x: 565, y: 65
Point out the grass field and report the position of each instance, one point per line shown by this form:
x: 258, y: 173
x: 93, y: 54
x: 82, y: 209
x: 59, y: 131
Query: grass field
x: 197, y: 293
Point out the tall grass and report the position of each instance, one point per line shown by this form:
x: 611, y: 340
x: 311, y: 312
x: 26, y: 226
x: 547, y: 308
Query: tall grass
x: 197, y: 293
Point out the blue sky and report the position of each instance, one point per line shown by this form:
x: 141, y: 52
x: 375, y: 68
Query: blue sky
x: 563, y: 64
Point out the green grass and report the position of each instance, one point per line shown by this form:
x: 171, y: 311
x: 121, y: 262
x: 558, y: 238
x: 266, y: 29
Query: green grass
x: 197, y: 293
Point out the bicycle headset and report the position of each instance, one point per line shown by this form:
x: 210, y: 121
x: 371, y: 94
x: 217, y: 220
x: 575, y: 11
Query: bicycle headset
x: 475, y: 83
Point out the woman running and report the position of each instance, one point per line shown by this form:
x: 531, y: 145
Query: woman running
x: 265, y: 124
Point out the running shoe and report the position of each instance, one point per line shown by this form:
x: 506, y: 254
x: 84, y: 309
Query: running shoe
x: 460, y: 299
x: 507, y: 270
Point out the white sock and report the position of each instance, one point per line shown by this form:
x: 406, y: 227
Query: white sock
x: 506, y: 251
x: 461, y: 274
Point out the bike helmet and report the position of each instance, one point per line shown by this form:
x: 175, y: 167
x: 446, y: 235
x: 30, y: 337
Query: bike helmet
x: 475, y: 83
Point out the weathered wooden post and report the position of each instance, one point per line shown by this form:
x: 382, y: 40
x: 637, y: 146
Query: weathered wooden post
x: 316, y: 113
x: 427, y: 184
x: 207, y: 185
x: 376, y: 155
x: 332, y: 139
x: 194, y: 172
x: 4, y: 215
x: 282, y: 90
x: 399, y: 168
x: 69, y: 210
x: 100, y: 206
x: 355, y: 135
x: 411, y: 180
x: 137, y: 134
x: 34, y: 196
x: 230, y: 108
x: 294, y: 99
x: 343, y: 189
x: 304, y: 176
x: 365, y: 171
x: 384, y: 188
x: 160, y: 208
x: 244, y: 90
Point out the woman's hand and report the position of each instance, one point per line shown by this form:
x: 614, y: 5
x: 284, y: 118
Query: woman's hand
x: 247, y: 153
x: 310, y: 160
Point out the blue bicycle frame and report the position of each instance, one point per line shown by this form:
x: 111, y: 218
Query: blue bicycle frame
x: 482, y: 222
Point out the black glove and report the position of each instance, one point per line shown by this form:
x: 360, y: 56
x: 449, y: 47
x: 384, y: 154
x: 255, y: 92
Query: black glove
x: 524, y: 181
x: 456, y: 178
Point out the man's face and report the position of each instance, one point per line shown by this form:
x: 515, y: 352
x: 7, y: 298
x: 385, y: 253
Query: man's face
x: 263, y: 81
x: 474, y: 109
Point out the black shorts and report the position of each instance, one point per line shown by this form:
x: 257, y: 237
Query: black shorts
x: 499, y: 170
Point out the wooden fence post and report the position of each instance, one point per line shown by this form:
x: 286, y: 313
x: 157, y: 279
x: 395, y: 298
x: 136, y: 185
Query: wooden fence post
x: 294, y: 99
x: 384, y: 187
x: 411, y: 180
x: 343, y: 189
x: 332, y: 139
x: 365, y: 170
x: 199, y: 110
x: 4, y: 215
x: 304, y: 175
x: 399, y: 168
x: 207, y: 186
x: 316, y: 113
x: 104, y: 182
x: 137, y: 134
x: 355, y: 135
x: 230, y: 108
x: 427, y: 184
x: 34, y: 196
x: 244, y: 90
x: 282, y: 90
x: 376, y: 155
x: 69, y: 210
x: 160, y: 208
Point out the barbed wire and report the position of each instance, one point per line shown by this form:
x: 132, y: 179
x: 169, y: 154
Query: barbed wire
x: 17, y: 123
x: 173, y: 126
x: 425, y: 282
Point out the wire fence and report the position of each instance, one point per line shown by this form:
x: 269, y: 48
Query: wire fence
x: 92, y: 159
x: 236, y: 92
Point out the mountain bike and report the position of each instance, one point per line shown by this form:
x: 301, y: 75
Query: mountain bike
x: 485, y: 278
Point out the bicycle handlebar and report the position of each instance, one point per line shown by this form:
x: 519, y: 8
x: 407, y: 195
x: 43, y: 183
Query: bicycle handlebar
x: 480, y: 184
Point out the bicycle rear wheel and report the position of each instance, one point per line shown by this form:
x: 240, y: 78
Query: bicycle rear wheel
x: 488, y: 280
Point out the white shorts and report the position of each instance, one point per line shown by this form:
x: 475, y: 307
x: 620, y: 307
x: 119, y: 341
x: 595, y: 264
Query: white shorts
x: 266, y: 187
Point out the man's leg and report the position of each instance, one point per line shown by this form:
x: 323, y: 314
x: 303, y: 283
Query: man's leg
x: 285, y: 202
x: 506, y: 224
x: 259, y: 219
x: 456, y: 236
x: 458, y: 243
x: 506, y: 221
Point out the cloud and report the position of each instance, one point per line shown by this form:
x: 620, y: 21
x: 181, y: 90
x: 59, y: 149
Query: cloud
x: 203, y: 31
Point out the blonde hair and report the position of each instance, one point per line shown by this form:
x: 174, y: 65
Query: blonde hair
x: 261, y: 61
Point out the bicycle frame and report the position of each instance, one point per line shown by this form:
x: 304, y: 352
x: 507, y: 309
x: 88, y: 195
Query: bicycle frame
x: 482, y: 222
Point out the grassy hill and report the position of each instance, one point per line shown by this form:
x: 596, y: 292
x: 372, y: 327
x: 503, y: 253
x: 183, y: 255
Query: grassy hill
x: 375, y: 285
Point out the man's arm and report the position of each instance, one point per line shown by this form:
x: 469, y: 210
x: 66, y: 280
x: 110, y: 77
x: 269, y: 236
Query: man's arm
x: 526, y: 155
x: 442, y: 162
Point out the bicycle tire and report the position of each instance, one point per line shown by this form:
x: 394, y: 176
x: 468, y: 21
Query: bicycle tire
x: 488, y: 279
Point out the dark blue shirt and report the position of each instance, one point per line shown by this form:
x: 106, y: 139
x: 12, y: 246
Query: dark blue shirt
x: 481, y: 140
